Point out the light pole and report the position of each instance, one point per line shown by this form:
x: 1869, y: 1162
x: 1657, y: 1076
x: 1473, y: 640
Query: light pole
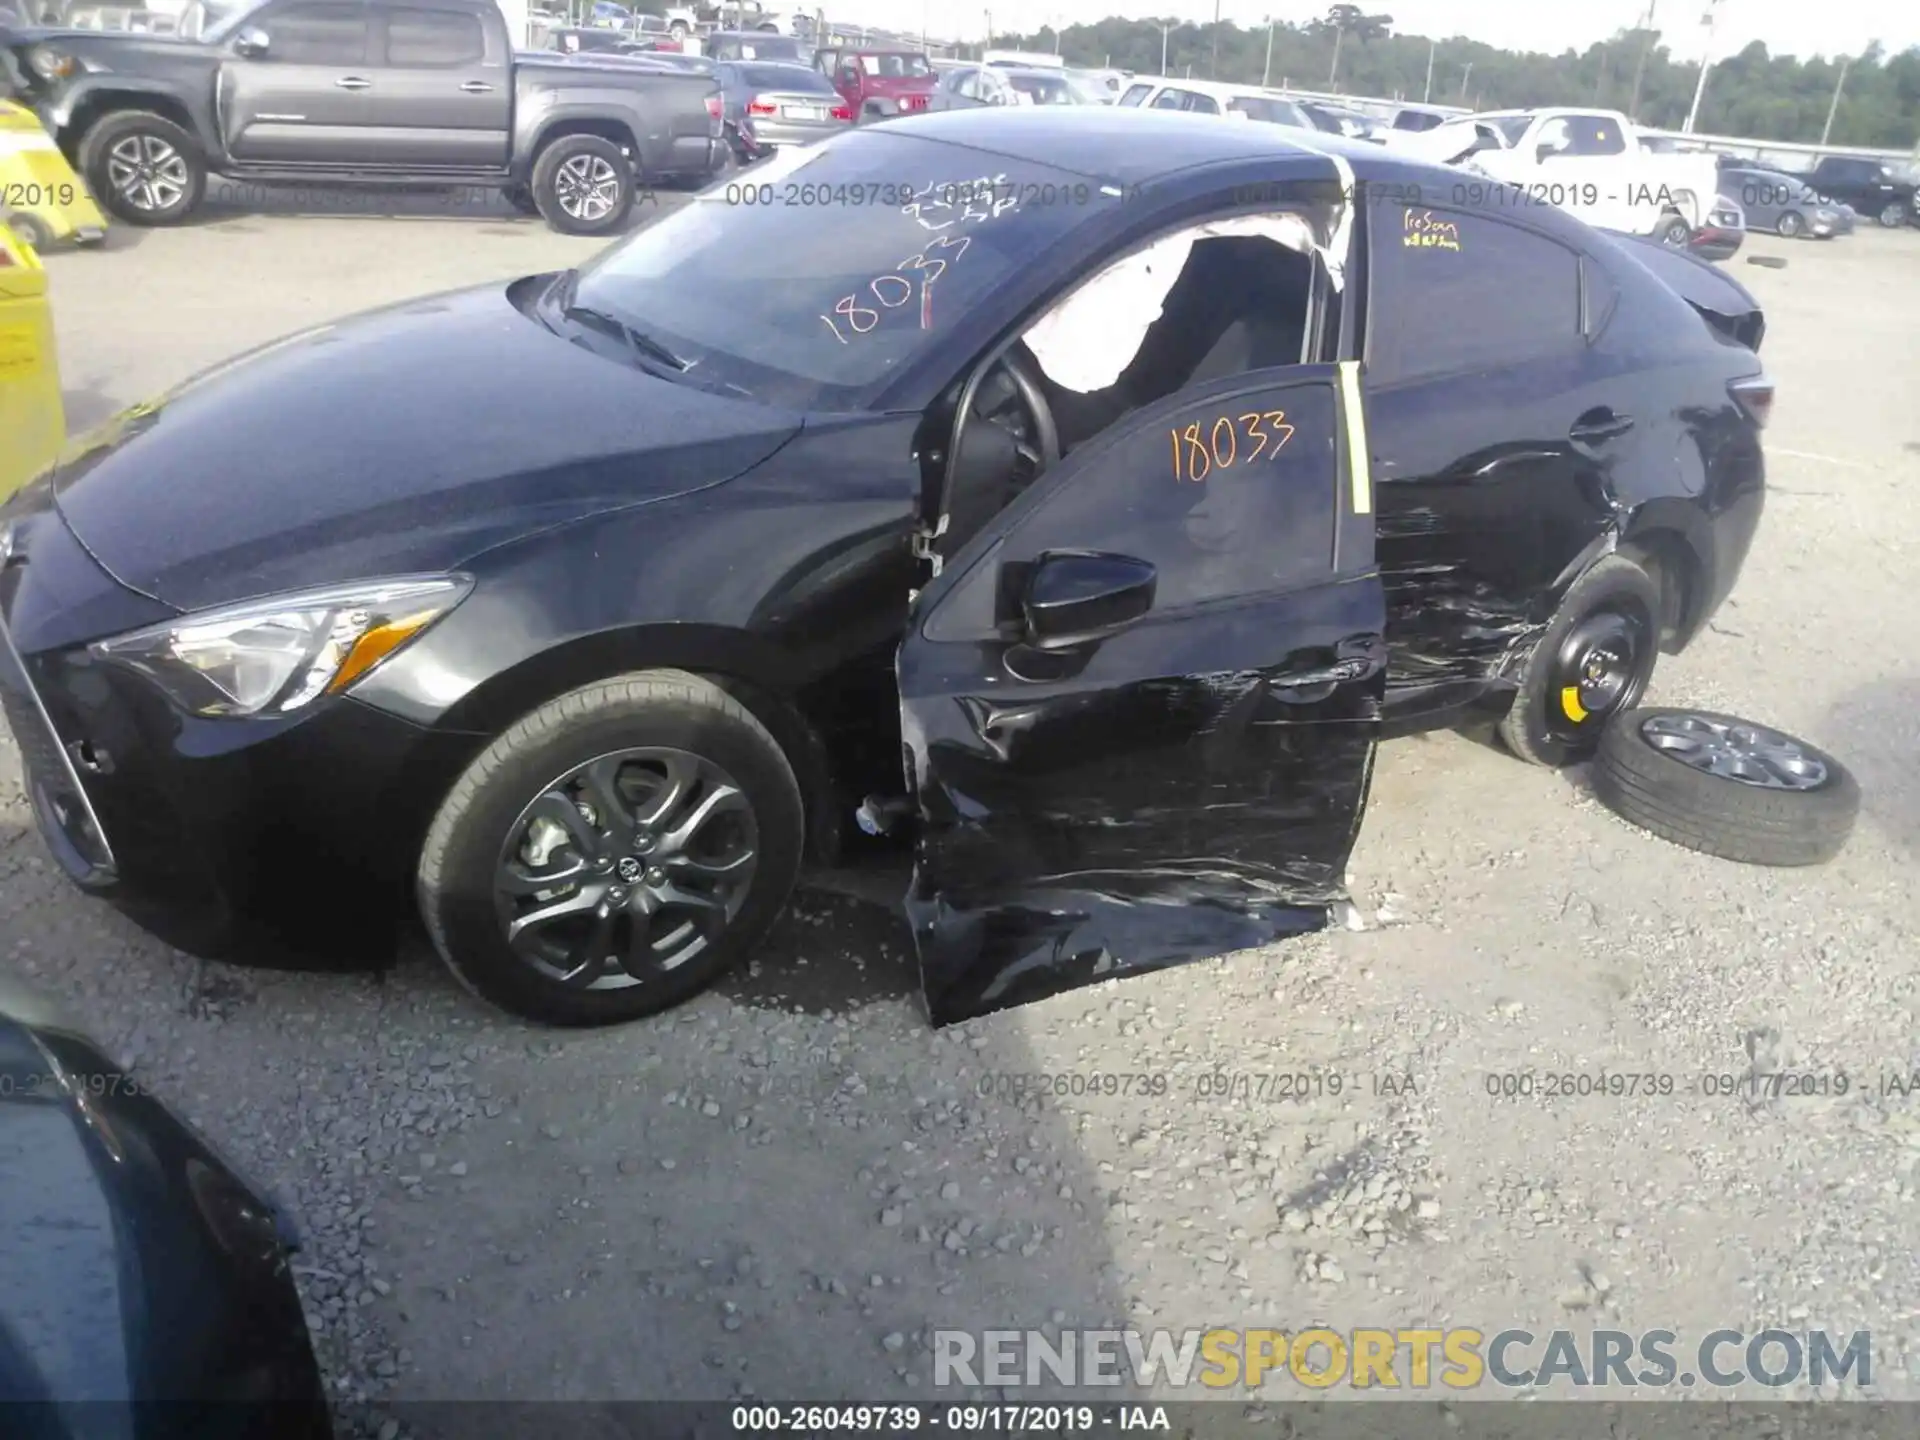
x: 1266, y: 71
x: 1427, y: 94
x: 1833, y: 109
x: 1164, y: 28
x: 1213, y: 68
x: 1640, y: 66
x: 1706, y: 64
x: 1339, y: 34
x: 1464, y: 78
x: 989, y: 45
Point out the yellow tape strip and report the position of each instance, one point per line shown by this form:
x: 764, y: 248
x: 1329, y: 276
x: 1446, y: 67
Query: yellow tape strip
x: 1358, y: 461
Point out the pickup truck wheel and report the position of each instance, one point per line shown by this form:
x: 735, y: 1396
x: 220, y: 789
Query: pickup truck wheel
x: 1593, y: 661
x: 1676, y: 232
x: 144, y: 168
x: 583, y: 185
x: 520, y: 198
x: 1893, y: 215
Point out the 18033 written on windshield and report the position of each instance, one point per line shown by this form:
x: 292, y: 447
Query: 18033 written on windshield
x: 949, y: 212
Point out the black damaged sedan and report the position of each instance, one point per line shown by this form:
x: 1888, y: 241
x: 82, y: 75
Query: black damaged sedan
x: 1076, y: 497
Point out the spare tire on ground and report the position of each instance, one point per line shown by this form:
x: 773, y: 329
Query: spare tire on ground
x: 1725, y: 786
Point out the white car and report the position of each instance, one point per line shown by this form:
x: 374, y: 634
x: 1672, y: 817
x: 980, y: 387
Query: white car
x: 1588, y: 162
x: 1209, y: 97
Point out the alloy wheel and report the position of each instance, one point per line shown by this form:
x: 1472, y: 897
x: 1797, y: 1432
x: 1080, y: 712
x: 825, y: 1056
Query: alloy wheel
x: 1598, y: 671
x: 587, y: 187
x: 626, y: 867
x: 1894, y: 215
x: 147, y: 172
x: 1749, y: 754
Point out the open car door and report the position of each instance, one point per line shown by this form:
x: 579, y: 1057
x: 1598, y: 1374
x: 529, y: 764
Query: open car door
x: 1140, y: 707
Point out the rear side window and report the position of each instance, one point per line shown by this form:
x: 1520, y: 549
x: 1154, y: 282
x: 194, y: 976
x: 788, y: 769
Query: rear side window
x: 319, y: 35
x: 433, y: 38
x: 1135, y: 94
x: 1455, y: 292
x: 1594, y: 135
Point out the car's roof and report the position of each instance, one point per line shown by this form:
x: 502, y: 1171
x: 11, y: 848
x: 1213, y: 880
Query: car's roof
x: 1135, y: 146
x: 1218, y: 88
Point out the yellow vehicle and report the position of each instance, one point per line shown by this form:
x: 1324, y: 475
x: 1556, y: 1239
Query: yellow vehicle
x: 41, y: 198
x: 33, y: 424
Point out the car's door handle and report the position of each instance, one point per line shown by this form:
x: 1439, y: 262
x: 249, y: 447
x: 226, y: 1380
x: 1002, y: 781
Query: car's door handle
x: 1597, y: 425
x: 352, y: 82
x: 476, y: 87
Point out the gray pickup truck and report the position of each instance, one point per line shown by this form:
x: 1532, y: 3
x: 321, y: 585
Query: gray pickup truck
x: 403, y: 93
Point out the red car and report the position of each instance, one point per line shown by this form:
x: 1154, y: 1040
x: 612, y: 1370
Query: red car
x: 879, y: 82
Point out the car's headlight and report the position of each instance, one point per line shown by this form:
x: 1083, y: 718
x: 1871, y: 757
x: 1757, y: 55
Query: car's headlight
x: 266, y: 657
x: 51, y: 64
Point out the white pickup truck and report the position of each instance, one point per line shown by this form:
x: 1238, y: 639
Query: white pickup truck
x: 1589, y: 162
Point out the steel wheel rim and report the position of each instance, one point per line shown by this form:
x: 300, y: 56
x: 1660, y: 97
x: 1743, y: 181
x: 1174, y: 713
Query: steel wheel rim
x: 625, y: 868
x: 147, y: 172
x: 1750, y: 754
x: 1598, y: 671
x: 587, y: 187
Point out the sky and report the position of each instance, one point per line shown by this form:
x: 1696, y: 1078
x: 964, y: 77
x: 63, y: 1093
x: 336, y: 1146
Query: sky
x: 1789, y: 27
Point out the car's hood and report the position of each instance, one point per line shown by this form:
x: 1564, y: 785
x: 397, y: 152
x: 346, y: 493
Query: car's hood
x: 123, y: 1273
x: 408, y: 439
x: 104, y: 45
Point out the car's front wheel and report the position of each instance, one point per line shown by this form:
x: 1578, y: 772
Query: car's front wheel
x: 1675, y: 231
x: 1593, y: 661
x: 144, y: 168
x: 583, y: 185
x: 614, y: 852
x: 1789, y: 225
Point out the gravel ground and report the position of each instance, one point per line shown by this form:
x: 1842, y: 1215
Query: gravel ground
x: 779, y: 1190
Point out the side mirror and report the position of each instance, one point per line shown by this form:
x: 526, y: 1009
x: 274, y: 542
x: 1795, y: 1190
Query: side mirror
x: 253, y: 43
x: 1075, y: 596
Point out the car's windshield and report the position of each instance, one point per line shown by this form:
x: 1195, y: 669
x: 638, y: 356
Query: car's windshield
x: 216, y: 30
x: 1044, y: 89
x: 811, y: 278
x: 895, y: 65
x: 1511, y: 127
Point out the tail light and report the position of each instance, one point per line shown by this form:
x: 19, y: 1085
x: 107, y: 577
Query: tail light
x: 841, y: 112
x: 1755, y: 395
x: 714, y: 110
x: 760, y: 105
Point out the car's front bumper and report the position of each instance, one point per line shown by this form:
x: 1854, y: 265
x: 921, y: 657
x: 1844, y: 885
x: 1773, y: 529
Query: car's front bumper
x: 223, y: 837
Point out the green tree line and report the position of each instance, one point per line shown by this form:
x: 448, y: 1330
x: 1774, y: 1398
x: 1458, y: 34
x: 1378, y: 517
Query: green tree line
x: 1750, y: 93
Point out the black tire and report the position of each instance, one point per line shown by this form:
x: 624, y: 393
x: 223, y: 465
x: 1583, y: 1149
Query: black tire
x: 30, y: 228
x: 520, y: 197
x: 154, y: 133
x: 1734, y: 820
x: 1675, y: 231
x: 678, y: 30
x: 554, y: 184
x: 1893, y: 214
x: 456, y: 884
x: 1790, y: 224
x: 1540, y: 727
